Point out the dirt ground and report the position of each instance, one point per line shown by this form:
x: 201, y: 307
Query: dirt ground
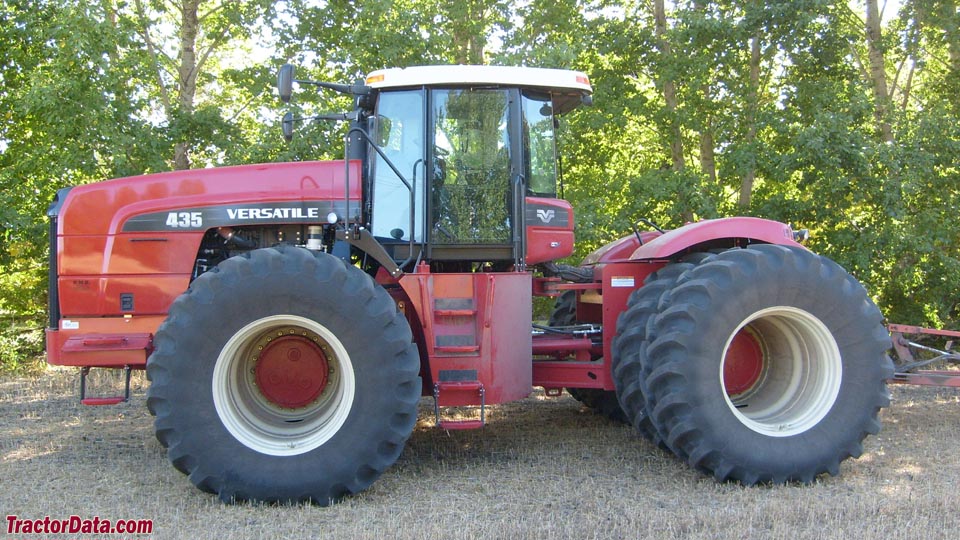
x: 542, y: 468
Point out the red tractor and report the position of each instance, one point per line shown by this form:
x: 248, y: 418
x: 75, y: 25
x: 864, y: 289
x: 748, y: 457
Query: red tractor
x: 291, y: 315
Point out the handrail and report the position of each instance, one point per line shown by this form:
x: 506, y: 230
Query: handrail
x: 519, y: 221
x: 411, y: 186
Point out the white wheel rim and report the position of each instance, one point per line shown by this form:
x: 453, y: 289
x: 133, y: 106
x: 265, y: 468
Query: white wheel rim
x: 262, y: 425
x: 801, y: 375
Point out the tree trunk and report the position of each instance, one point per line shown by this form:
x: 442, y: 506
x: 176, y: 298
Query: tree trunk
x: 469, y: 28
x: 911, y: 57
x: 746, y: 185
x: 878, y: 72
x: 951, y: 33
x: 708, y: 161
x: 669, y: 88
x: 189, y: 28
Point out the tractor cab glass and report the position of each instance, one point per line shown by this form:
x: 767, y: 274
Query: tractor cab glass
x: 398, y: 130
x: 470, y: 155
x: 540, y: 160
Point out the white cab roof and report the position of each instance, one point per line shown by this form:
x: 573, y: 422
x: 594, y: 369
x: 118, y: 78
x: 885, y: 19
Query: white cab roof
x: 556, y: 80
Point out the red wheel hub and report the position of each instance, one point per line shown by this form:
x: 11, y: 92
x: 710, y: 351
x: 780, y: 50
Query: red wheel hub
x: 291, y: 371
x: 743, y: 364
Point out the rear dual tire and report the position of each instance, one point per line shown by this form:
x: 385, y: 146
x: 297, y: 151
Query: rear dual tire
x: 765, y: 364
x: 629, y: 343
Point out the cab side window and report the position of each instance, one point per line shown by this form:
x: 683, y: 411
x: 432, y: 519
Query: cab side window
x: 399, y: 133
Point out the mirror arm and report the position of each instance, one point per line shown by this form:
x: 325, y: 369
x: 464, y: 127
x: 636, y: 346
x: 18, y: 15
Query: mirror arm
x: 352, y: 89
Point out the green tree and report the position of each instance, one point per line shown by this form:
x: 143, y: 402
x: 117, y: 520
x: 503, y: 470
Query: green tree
x: 811, y: 112
x: 82, y: 88
x: 184, y: 43
x: 67, y: 117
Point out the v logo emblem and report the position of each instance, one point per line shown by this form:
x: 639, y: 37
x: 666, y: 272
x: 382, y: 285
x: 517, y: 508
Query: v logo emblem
x: 546, y: 216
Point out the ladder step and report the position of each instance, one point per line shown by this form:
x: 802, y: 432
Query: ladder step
x: 103, y: 400
x: 447, y: 387
x: 460, y: 386
x: 453, y: 304
x: 456, y: 348
x: 455, y: 312
x: 456, y: 425
x: 97, y: 401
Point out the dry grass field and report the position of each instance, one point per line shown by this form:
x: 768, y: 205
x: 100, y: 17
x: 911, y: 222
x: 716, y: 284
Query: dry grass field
x: 542, y: 468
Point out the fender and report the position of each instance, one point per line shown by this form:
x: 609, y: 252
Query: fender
x: 619, y: 250
x: 710, y: 233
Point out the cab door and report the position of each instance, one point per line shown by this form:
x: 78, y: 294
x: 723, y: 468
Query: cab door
x: 399, y: 133
x: 475, y: 160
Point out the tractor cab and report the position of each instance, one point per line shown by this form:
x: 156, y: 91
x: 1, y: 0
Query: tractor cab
x: 477, y: 146
x: 460, y: 164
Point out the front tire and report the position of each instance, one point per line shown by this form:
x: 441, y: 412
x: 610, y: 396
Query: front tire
x: 767, y: 364
x: 284, y: 375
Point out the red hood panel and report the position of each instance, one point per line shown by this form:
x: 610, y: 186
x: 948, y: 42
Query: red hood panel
x: 104, y: 207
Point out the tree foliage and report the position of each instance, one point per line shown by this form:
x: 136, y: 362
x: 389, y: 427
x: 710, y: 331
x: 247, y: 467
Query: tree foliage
x: 836, y: 117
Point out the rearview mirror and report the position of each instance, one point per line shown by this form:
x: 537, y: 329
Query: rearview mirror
x: 285, y: 82
x: 380, y: 127
x: 287, y: 126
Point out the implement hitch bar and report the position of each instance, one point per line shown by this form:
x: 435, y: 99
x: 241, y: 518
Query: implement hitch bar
x: 918, y: 348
